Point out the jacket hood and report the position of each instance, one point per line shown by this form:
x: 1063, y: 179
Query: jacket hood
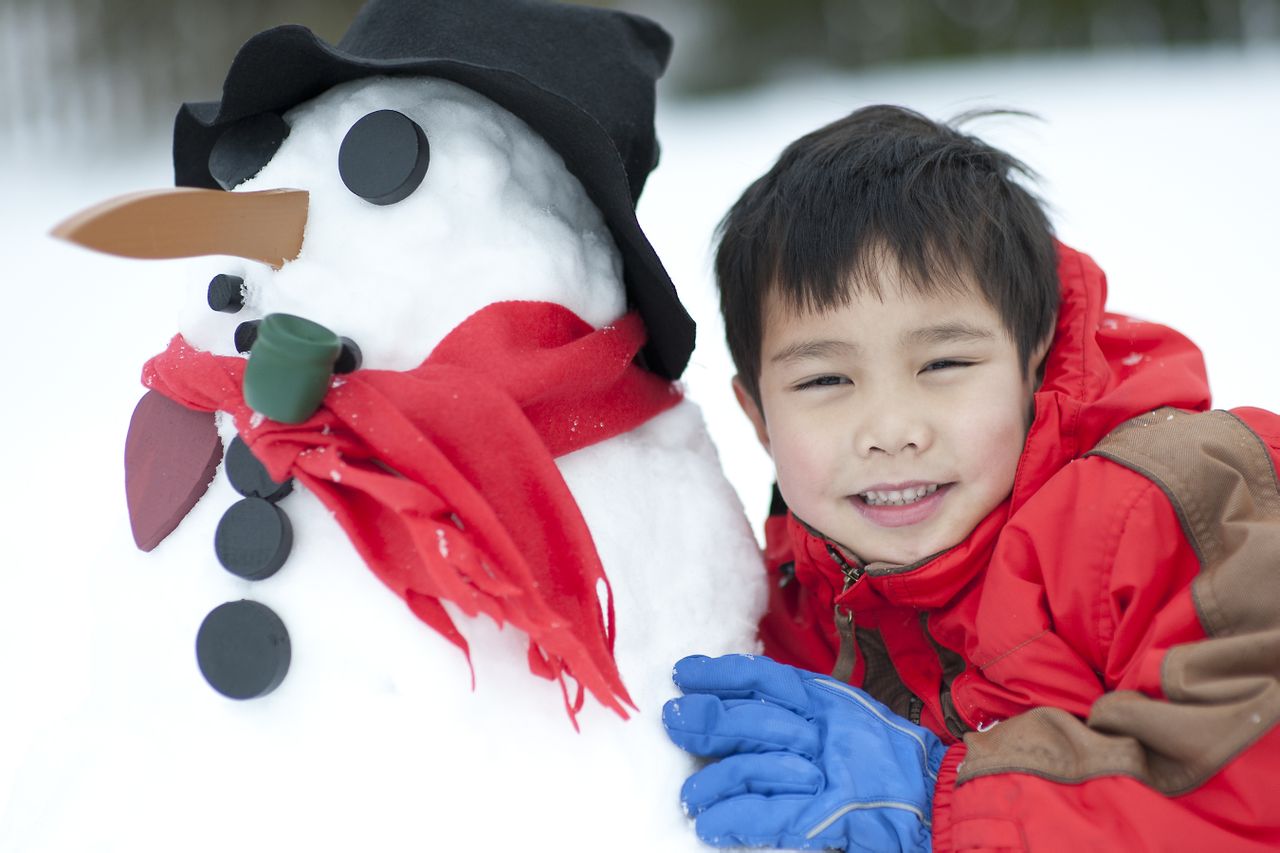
x: 1101, y: 370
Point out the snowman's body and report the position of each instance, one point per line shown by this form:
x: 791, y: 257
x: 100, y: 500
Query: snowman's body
x: 375, y: 740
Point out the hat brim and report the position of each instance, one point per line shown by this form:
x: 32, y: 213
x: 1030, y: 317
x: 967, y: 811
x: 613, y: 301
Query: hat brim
x: 285, y: 66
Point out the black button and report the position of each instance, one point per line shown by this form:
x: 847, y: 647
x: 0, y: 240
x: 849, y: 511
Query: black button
x: 253, y: 539
x: 350, y: 359
x: 246, y: 333
x: 249, y: 477
x: 245, y: 147
x: 243, y: 649
x: 225, y: 294
x: 384, y: 157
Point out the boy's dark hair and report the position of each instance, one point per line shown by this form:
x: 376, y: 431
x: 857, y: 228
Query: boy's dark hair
x: 817, y: 226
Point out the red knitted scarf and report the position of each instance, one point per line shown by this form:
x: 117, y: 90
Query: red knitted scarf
x: 443, y: 476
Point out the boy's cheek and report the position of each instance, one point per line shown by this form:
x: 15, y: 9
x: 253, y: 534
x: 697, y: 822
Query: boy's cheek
x: 801, y: 470
x: 807, y: 446
x: 987, y: 449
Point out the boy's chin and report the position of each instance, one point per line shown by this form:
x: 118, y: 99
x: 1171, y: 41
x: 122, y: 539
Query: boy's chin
x: 900, y: 548
x: 865, y: 542
x: 895, y: 558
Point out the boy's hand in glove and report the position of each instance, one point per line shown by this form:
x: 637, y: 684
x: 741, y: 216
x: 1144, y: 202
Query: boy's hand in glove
x: 806, y: 761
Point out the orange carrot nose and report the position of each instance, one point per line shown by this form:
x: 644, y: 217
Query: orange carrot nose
x: 262, y: 226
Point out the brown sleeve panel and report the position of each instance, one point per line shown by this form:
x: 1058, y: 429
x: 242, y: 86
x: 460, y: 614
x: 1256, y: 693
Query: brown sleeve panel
x: 1221, y: 693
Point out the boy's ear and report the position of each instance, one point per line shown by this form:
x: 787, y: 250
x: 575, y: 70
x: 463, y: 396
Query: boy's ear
x: 752, y: 410
x: 1038, y: 359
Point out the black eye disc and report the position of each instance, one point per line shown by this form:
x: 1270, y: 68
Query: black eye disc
x: 245, y: 147
x: 384, y: 157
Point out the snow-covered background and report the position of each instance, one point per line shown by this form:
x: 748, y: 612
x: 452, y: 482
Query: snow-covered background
x: 1164, y: 167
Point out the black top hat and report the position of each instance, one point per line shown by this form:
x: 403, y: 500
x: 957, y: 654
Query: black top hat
x: 581, y: 77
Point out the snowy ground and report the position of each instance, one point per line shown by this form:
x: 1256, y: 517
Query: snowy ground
x: 1163, y: 167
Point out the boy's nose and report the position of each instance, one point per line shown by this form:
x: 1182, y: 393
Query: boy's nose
x: 892, y: 428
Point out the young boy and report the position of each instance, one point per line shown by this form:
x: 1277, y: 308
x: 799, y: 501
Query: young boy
x: 1050, y: 575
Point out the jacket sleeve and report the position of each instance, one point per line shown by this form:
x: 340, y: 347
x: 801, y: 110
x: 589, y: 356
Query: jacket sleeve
x: 1181, y: 627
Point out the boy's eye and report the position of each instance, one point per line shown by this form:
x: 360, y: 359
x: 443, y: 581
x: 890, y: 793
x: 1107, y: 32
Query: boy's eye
x: 944, y: 363
x: 822, y: 381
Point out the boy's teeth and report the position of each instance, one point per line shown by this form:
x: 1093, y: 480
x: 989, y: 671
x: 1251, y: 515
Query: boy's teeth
x: 898, y: 497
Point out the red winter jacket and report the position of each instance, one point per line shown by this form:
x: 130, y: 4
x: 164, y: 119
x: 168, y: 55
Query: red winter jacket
x: 1102, y: 652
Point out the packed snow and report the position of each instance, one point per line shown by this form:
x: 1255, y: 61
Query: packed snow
x: 1162, y: 166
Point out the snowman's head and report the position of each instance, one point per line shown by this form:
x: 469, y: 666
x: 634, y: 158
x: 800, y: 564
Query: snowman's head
x: 494, y: 216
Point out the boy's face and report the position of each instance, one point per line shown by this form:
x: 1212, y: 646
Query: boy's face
x: 895, y: 424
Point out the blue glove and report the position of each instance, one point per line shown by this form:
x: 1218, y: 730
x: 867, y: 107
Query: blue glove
x: 807, y: 762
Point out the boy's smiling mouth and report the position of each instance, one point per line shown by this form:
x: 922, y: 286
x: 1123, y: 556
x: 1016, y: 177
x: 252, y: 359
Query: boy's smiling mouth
x: 900, y: 504
x: 900, y: 496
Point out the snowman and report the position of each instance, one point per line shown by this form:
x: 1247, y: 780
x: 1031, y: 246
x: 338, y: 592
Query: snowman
x: 423, y: 518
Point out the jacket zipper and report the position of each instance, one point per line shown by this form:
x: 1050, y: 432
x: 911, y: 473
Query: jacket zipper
x: 848, y: 656
x: 845, y: 661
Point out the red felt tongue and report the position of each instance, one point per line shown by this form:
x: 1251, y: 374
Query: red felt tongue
x: 170, y: 456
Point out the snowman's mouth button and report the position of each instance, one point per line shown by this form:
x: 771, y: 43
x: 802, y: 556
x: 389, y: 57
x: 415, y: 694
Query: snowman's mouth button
x: 226, y: 293
x: 245, y: 334
x: 349, y: 359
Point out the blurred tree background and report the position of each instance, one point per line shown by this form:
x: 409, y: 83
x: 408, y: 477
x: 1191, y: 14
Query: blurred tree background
x: 80, y: 72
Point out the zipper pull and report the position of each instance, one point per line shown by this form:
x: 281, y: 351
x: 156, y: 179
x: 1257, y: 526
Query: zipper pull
x: 848, y: 656
x: 852, y: 573
x: 843, y: 670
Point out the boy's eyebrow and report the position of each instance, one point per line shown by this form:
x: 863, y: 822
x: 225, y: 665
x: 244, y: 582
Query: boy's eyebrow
x: 943, y: 333
x: 947, y: 333
x: 802, y: 350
